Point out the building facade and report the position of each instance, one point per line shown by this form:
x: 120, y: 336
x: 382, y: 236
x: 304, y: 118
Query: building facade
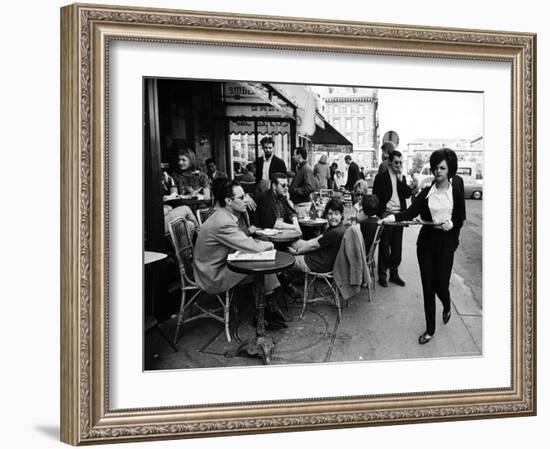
x: 354, y: 113
x: 467, y: 150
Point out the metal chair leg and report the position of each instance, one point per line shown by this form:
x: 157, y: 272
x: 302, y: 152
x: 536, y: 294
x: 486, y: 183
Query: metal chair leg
x: 305, y: 297
x: 180, y: 317
x: 226, y: 315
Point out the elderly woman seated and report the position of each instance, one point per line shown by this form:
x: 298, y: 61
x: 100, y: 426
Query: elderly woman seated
x: 189, y: 180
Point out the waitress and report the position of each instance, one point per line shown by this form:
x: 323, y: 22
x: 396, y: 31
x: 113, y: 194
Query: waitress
x: 443, y: 204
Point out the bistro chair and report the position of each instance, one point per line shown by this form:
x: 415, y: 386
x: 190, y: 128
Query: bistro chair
x: 327, y: 279
x: 204, y: 214
x: 191, y: 294
x: 326, y: 193
x: 371, y: 260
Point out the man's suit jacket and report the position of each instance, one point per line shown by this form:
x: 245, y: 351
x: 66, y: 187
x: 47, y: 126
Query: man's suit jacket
x: 265, y: 214
x: 420, y: 207
x: 382, y: 188
x: 354, y: 175
x: 277, y: 166
x: 302, y: 184
x: 218, y: 237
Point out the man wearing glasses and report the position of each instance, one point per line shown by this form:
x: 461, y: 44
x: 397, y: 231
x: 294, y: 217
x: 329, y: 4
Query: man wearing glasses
x: 219, y: 236
x: 274, y: 210
x: 392, y: 190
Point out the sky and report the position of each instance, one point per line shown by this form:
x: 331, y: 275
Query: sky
x: 415, y: 114
x: 425, y: 114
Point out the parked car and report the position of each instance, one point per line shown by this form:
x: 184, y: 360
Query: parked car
x: 472, y: 188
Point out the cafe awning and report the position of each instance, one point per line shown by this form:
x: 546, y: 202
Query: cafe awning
x: 257, y: 107
x: 328, y: 139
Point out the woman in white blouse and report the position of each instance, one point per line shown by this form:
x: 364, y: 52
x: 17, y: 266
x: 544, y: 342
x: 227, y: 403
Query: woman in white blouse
x: 443, y: 204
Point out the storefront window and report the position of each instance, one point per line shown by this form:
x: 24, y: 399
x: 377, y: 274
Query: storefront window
x: 243, y: 144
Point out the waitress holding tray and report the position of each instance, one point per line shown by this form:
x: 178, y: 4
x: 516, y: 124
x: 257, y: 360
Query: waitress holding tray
x: 443, y: 205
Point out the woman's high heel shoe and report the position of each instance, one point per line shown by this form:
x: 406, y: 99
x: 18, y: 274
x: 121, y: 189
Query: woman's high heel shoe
x: 424, y: 338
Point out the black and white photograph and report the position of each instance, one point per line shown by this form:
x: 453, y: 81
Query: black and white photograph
x: 297, y: 224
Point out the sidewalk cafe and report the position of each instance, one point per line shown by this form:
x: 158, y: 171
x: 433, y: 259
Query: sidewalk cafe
x: 200, y: 137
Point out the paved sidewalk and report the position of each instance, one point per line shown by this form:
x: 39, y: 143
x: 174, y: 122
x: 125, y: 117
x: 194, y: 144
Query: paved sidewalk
x: 386, y: 328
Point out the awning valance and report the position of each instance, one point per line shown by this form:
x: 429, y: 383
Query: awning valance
x: 330, y: 140
x: 237, y: 126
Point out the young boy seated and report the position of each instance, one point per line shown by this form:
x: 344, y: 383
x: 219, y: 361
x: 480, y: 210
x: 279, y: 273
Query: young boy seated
x: 318, y: 254
x: 370, y: 223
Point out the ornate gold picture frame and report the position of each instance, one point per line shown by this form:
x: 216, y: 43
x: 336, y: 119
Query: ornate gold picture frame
x: 87, y: 32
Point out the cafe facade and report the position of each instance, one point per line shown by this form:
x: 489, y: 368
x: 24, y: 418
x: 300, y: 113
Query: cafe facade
x: 225, y: 121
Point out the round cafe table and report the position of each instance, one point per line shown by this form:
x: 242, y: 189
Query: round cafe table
x: 150, y: 257
x: 263, y: 344
x: 283, y: 236
x: 150, y: 322
x: 315, y: 223
x: 193, y: 203
x: 312, y: 228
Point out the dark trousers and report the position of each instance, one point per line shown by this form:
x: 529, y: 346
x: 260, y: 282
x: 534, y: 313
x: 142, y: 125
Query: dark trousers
x: 435, y: 260
x: 389, y: 250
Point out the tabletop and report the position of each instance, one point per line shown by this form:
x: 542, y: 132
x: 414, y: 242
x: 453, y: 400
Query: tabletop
x: 188, y: 202
x: 282, y: 262
x: 282, y: 236
x: 411, y: 222
x: 317, y: 222
x: 152, y: 257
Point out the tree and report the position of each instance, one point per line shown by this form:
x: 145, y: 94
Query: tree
x: 418, y: 162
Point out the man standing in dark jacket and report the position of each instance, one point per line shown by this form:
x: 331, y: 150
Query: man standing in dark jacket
x: 392, y: 190
x: 304, y: 181
x: 354, y: 174
x: 268, y: 163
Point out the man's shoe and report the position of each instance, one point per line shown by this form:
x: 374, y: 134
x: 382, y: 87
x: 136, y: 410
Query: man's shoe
x: 383, y: 282
x: 397, y: 280
x: 424, y: 338
x: 446, y: 316
x: 275, y: 313
x: 292, y: 291
x: 275, y: 325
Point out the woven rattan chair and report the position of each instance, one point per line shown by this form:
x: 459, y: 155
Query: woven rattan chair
x: 191, y: 294
x: 327, y: 278
x: 204, y: 214
x: 326, y: 193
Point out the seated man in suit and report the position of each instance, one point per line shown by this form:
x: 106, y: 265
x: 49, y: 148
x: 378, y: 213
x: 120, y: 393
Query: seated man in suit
x: 219, y: 236
x: 274, y: 210
x: 212, y: 171
x: 392, y: 190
